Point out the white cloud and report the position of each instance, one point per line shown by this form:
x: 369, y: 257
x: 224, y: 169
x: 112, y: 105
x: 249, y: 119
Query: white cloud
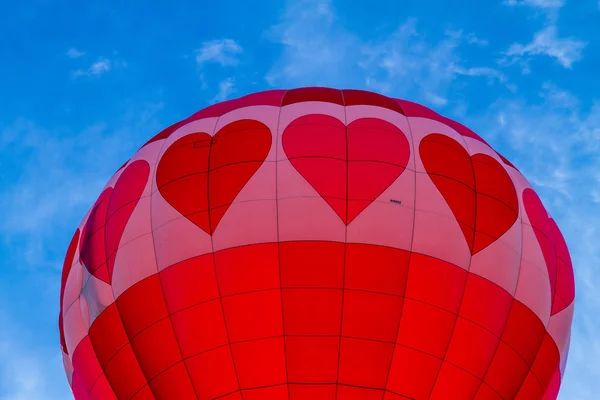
x: 544, y: 4
x: 555, y: 142
x: 566, y: 51
x: 317, y: 49
x: 226, y: 88
x: 224, y: 52
x: 50, y: 178
x: 61, y: 173
x: 74, y: 53
x: 407, y: 58
x: 98, y: 68
x: 470, y: 38
x: 490, y: 73
x: 27, y: 374
x: 435, y: 99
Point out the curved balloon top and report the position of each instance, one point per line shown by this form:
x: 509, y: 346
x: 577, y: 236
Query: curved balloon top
x: 316, y: 243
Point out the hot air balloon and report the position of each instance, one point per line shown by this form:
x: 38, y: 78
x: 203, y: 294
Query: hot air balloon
x: 315, y: 244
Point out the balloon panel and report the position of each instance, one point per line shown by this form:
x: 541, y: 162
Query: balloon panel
x: 316, y: 243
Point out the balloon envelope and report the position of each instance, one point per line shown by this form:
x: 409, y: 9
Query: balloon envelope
x: 316, y: 244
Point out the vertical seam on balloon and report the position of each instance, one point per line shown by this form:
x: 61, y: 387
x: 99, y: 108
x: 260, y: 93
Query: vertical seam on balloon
x: 121, y: 319
x: 337, y: 374
x: 519, y: 220
x: 78, y: 298
x: 551, y: 240
x: 157, y: 269
x: 212, y: 245
x: 412, y: 240
x: 63, y: 289
x: 462, y: 296
x: 553, y: 287
x: 112, y: 289
x: 83, y: 267
x: 278, y: 242
x: 153, y: 178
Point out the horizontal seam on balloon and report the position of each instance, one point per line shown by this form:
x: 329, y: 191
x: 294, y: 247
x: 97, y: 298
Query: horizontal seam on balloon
x: 329, y: 157
x: 429, y: 139
x: 257, y: 200
x: 307, y: 157
x: 494, y: 165
x: 330, y: 288
x: 564, y: 301
x: 184, y: 359
x: 390, y: 295
x: 207, y: 171
x: 148, y: 381
x: 313, y: 384
x: 396, y: 131
x: 287, y: 198
x: 316, y: 196
x: 313, y: 335
x: 159, y: 187
x: 489, y: 196
x: 89, y: 235
x: 536, y: 230
x: 293, y: 124
x: 432, y: 174
x: 317, y: 383
x: 288, y: 242
x: 210, y: 138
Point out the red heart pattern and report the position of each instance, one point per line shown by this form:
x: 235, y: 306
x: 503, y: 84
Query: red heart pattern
x: 349, y: 171
x: 106, y: 223
x: 477, y: 188
x: 200, y: 175
x: 349, y: 166
x: 554, y: 249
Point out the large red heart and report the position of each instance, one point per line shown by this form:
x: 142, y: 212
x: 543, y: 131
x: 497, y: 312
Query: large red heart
x: 348, y: 166
x: 200, y: 175
x: 554, y: 249
x: 106, y: 223
x: 477, y: 188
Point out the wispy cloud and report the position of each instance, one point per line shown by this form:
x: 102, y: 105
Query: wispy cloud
x: 98, y: 68
x: 317, y: 49
x: 224, y: 52
x: 555, y: 141
x: 28, y: 373
x: 565, y: 50
x: 74, y: 53
x: 61, y: 172
x: 226, y: 88
x: 491, y: 73
x: 470, y: 38
x: 544, y: 4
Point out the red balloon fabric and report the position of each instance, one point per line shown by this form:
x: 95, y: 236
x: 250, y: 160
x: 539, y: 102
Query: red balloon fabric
x: 316, y: 243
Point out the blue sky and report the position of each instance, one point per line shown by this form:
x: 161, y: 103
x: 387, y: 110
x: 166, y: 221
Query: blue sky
x: 84, y: 84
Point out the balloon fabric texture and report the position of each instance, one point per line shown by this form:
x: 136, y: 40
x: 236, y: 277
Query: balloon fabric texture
x: 316, y: 244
